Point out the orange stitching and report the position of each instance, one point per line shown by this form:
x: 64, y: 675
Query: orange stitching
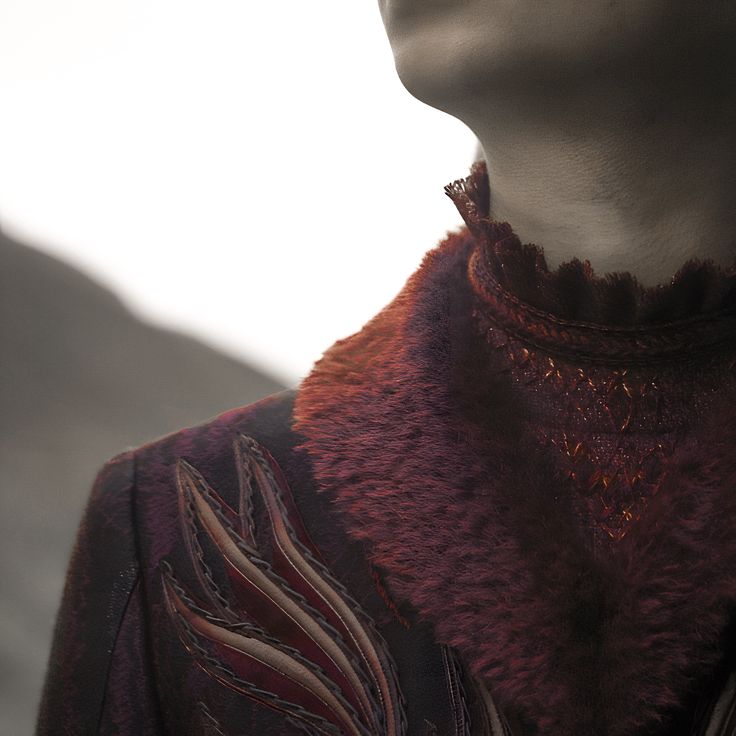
x: 387, y: 600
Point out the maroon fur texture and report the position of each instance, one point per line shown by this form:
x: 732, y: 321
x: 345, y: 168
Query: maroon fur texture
x: 429, y: 463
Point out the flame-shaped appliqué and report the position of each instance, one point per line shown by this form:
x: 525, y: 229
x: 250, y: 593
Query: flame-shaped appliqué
x: 283, y: 630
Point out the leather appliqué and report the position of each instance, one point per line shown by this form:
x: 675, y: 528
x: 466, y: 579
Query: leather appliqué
x: 718, y: 717
x: 474, y: 710
x: 282, y: 630
x: 453, y: 676
x: 495, y: 721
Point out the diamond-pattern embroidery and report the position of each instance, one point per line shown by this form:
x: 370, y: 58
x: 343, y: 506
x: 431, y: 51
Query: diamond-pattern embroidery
x: 612, y: 436
x: 612, y: 492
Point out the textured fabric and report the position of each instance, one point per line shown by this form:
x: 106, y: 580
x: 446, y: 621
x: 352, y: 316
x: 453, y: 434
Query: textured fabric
x: 554, y: 494
x: 613, y: 373
x: 103, y: 574
x: 121, y: 663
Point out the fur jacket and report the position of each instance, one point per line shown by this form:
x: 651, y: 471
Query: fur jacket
x: 505, y: 507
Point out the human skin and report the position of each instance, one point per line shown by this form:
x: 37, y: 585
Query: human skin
x: 608, y: 126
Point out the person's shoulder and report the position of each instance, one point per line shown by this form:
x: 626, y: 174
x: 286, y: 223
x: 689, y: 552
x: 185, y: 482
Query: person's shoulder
x: 211, y: 447
x: 268, y: 420
x: 208, y: 444
x: 257, y: 598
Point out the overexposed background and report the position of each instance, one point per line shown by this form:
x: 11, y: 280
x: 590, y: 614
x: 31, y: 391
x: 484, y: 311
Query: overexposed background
x: 253, y: 173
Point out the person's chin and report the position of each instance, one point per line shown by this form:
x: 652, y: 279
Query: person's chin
x: 430, y: 80
x: 405, y: 13
x: 447, y: 74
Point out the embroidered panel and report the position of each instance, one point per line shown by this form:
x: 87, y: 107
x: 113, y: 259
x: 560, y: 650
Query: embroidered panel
x: 282, y: 630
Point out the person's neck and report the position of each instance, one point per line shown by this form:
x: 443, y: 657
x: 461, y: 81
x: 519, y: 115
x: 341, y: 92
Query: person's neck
x: 632, y: 180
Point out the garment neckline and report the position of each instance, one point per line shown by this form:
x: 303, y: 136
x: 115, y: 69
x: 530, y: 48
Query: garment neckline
x: 573, y: 311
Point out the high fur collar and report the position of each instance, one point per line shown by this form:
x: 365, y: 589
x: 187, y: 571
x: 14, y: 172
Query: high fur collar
x: 431, y: 466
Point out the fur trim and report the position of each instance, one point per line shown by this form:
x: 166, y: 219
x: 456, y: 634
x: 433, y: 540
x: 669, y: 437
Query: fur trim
x: 428, y: 462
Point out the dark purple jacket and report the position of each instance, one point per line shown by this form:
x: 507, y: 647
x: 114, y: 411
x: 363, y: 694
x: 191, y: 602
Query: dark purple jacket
x: 157, y: 585
x: 141, y: 643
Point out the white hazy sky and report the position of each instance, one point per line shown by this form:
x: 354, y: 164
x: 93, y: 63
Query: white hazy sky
x: 251, y: 172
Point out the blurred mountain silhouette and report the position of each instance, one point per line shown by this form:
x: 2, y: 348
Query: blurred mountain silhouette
x: 81, y: 379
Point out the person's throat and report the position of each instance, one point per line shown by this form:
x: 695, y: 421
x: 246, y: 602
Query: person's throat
x: 639, y: 190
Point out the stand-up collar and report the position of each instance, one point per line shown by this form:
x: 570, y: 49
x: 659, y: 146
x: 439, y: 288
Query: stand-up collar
x: 573, y: 311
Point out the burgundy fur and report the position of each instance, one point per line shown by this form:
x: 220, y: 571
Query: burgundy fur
x: 429, y: 463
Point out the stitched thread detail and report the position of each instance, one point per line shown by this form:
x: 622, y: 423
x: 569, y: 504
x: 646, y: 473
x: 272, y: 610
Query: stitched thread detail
x: 211, y: 724
x: 389, y: 668
x: 456, y: 691
x: 593, y: 343
x: 622, y: 322
x: 360, y: 693
x: 220, y: 671
x: 387, y: 600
